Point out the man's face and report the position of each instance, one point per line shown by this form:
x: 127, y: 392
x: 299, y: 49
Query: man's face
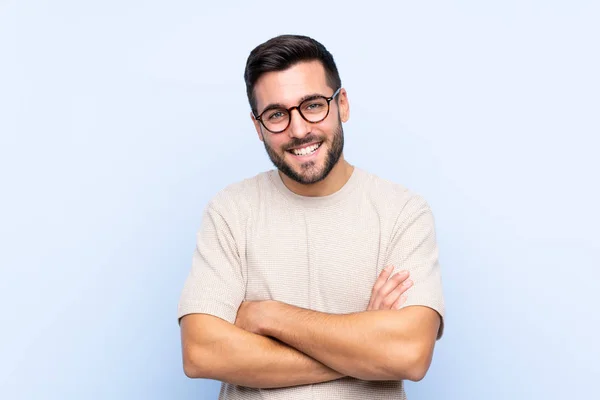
x: 293, y: 150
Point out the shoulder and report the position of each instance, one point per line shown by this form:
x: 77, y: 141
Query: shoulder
x: 391, y: 197
x: 237, y: 199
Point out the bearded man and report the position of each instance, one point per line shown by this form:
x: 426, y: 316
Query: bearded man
x: 317, y: 279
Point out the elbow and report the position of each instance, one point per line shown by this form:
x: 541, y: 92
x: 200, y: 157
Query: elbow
x: 414, y: 364
x: 194, y: 362
x: 417, y: 372
x: 191, y: 370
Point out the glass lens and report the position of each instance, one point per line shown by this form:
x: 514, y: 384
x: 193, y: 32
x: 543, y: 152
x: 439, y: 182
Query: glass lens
x: 276, y: 119
x: 314, y: 110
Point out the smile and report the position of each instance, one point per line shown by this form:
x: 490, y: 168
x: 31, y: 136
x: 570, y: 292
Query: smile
x: 306, y: 151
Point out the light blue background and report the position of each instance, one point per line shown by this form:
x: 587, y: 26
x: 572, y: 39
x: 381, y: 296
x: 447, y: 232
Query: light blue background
x: 120, y: 120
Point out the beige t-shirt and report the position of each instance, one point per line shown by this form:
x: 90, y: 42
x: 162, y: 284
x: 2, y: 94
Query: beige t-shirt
x: 261, y: 241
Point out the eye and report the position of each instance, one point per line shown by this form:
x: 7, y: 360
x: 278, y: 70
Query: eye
x: 276, y: 115
x: 314, y: 106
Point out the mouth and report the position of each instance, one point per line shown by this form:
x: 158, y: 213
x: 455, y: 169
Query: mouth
x: 306, y: 151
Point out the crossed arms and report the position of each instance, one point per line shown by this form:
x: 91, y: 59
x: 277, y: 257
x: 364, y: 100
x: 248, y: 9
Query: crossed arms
x: 273, y: 344
x: 269, y: 344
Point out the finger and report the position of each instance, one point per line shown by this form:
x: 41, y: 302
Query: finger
x: 401, y: 300
x: 390, y: 300
x: 383, y: 277
x: 387, y: 288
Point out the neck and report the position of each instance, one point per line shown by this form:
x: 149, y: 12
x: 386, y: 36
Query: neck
x: 333, y: 182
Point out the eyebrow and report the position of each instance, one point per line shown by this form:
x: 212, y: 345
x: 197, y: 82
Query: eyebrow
x: 273, y: 106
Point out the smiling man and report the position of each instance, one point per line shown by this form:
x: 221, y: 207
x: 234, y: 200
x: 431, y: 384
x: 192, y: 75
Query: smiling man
x: 318, y: 279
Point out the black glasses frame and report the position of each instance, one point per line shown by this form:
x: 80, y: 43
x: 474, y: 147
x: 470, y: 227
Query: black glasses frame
x: 289, y: 111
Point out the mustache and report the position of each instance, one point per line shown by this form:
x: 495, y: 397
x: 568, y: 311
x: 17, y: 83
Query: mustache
x: 301, y: 142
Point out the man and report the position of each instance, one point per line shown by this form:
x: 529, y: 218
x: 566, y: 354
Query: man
x: 289, y: 296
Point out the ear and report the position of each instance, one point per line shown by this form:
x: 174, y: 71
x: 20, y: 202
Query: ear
x: 344, y: 105
x: 257, y: 127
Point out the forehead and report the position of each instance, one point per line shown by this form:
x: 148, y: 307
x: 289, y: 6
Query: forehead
x: 288, y: 86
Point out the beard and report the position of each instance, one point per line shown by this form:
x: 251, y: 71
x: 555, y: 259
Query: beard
x: 310, y: 172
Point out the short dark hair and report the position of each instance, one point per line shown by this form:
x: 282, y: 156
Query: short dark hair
x: 282, y: 52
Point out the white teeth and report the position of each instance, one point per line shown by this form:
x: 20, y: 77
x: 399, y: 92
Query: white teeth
x: 306, y: 150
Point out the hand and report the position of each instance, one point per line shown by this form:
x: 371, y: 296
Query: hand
x: 250, y: 315
x: 387, y: 293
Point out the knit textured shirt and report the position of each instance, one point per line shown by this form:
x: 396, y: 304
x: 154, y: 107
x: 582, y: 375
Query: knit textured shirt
x: 261, y: 241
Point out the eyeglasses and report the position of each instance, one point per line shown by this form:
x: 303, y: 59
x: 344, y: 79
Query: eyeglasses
x: 314, y: 109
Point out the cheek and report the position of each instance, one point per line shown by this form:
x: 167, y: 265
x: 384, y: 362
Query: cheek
x: 329, y: 129
x: 276, y: 143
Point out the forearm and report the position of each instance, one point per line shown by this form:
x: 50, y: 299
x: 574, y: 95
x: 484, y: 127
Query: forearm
x: 235, y: 356
x: 368, y: 345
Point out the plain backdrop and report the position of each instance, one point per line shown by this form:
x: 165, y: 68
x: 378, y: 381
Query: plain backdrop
x: 119, y: 120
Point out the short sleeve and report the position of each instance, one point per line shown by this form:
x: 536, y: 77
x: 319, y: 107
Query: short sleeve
x: 414, y: 248
x: 215, y: 284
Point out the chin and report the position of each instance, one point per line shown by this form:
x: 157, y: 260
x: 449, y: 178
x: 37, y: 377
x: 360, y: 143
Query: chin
x: 311, y: 175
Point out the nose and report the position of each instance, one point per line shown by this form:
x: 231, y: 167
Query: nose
x: 298, y: 126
